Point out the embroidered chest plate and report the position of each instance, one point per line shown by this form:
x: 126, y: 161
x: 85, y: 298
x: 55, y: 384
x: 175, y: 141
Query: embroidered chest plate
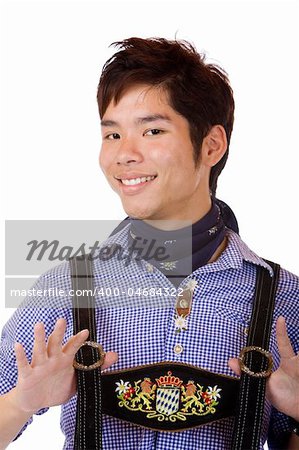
x: 168, y: 396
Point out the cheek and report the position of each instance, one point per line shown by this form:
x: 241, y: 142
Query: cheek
x: 173, y: 154
x: 104, y: 160
x: 162, y: 156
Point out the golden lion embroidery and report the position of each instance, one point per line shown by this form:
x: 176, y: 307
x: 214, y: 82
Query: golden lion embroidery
x: 167, y: 398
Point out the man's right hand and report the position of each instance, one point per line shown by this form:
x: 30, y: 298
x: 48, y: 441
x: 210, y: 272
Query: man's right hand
x: 48, y: 380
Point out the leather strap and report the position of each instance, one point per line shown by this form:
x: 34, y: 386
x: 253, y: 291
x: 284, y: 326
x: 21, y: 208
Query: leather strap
x: 88, y: 432
x: 250, y: 406
x: 252, y: 390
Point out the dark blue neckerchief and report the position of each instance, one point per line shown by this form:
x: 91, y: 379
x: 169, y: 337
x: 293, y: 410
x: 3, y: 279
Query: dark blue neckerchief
x: 177, y: 253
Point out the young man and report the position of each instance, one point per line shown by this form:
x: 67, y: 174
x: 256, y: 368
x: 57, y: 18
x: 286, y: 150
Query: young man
x: 167, y: 118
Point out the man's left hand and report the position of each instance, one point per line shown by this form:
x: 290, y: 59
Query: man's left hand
x: 283, y: 384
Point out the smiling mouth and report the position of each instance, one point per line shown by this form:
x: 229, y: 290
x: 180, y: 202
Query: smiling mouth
x: 136, y: 181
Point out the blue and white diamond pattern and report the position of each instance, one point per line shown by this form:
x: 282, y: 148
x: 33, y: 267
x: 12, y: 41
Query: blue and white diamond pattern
x: 168, y: 400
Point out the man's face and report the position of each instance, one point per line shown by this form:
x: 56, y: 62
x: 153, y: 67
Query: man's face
x: 147, y: 157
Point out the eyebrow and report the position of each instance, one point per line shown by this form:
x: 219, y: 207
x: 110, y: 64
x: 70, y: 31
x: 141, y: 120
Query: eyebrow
x: 138, y: 121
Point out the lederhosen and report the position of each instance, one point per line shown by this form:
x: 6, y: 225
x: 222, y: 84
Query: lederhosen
x: 171, y: 396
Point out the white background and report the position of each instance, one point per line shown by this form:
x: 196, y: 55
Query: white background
x: 52, y: 54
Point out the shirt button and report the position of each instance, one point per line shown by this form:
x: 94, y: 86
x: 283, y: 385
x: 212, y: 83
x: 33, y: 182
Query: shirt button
x: 149, y: 267
x: 178, y: 348
x: 184, y: 303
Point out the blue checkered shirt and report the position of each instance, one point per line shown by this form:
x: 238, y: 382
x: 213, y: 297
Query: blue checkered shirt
x: 142, y: 330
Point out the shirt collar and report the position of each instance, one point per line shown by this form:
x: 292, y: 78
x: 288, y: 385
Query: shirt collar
x: 233, y: 256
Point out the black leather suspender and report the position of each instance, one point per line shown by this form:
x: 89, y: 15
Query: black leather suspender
x: 88, y: 433
x: 250, y: 404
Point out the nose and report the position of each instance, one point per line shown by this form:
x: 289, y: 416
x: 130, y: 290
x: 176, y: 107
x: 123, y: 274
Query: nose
x: 128, y: 152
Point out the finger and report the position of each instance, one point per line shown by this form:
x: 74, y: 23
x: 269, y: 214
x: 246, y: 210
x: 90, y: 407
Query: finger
x: 234, y: 364
x: 23, y: 365
x: 284, y: 345
x: 74, y: 343
x: 39, y: 353
x: 55, y: 339
x: 110, y: 358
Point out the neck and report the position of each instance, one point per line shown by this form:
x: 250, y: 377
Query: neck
x: 178, y: 222
x: 184, y: 249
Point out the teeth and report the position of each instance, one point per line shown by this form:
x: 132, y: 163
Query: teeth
x: 137, y: 180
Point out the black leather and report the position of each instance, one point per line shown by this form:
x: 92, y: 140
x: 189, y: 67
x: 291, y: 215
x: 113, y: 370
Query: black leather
x: 250, y: 403
x: 88, y: 433
x: 193, y: 406
x: 250, y: 406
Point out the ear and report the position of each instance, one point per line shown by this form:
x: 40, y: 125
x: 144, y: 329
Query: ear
x: 214, y: 146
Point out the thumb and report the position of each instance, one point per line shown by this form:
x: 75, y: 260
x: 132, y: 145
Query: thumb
x: 234, y: 364
x: 110, y: 358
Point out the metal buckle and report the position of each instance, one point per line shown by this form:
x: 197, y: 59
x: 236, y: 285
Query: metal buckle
x: 244, y: 368
x: 95, y: 365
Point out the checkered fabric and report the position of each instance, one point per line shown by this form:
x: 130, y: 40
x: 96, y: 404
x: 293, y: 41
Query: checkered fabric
x: 141, y: 329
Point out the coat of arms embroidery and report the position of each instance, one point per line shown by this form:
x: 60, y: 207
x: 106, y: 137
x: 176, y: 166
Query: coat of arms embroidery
x: 167, y: 398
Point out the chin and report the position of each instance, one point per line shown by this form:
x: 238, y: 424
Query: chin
x: 138, y: 213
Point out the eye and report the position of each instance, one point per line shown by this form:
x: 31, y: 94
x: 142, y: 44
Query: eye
x: 112, y: 136
x: 153, y: 132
